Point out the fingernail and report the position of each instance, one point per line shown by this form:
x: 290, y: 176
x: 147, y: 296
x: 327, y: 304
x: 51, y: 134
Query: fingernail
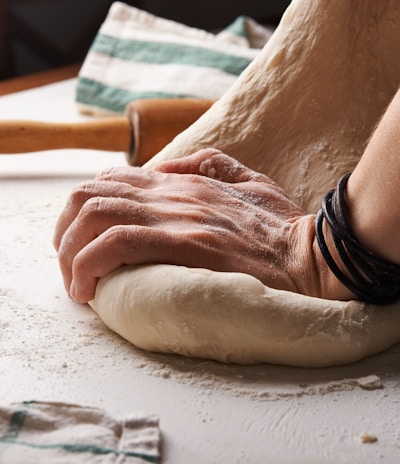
x: 72, y: 290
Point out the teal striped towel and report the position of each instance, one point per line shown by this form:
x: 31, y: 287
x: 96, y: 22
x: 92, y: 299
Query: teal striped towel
x: 137, y: 55
x: 37, y: 432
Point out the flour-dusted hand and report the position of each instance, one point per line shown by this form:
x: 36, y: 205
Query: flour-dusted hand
x: 205, y: 210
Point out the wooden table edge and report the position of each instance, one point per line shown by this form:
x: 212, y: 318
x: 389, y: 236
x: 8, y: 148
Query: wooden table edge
x: 31, y: 81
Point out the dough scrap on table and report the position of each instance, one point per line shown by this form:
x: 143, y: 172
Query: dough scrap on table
x: 301, y: 113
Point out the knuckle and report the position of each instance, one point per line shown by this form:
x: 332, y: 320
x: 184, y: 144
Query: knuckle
x: 78, y: 265
x: 118, y: 233
x: 82, y: 192
x: 194, y: 179
x: 196, y: 188
x: 107, y: 173
x: 122, y: 239
x: 65, y: 257
x: 94, y: 206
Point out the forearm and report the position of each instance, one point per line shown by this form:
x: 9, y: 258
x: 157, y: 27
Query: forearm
x: 373, y: 189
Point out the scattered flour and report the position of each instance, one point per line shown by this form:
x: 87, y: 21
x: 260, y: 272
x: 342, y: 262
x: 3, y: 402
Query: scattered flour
x: 44, y: 332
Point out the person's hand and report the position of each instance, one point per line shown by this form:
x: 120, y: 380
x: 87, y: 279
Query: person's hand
x: 205, y: 210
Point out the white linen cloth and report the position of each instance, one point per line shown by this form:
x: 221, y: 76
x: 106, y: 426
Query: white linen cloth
x: 137, y: 55
x: 44, y: 432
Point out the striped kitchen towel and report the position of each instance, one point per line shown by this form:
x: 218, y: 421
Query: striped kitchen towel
x: 39, y: 432
x: 137, y: 55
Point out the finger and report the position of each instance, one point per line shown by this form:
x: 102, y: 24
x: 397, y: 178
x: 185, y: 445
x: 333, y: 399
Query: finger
x: 80, y: 195
x: 137, y: 177
x: 227, y: 169
x: 212, y: 163
x: 117, y: 246
x: 121, y: 245
x: 188, y: 164
x: 96, y: 216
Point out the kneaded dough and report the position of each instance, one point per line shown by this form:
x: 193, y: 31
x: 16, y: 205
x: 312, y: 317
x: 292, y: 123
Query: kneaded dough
x: 301, y: 113
x: 303, y: 110
x: 234, y: 318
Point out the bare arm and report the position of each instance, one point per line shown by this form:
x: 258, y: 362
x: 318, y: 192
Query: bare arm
x: 373, y: 190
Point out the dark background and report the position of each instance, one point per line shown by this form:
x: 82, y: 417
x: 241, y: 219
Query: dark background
x: 36, y: 35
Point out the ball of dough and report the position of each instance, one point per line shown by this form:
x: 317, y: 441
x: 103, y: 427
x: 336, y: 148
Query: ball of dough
x: 234, y: 318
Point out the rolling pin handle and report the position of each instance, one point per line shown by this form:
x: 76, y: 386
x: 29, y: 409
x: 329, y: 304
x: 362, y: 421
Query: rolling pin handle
x: 155, y: 123
x: 111, y: 134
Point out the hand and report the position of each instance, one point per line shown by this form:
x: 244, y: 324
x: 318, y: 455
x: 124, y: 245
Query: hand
x: 205, y: 210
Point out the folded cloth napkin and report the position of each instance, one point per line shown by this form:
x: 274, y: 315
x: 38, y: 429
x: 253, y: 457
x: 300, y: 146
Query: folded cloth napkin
x: 38, y: 432
x: 137, y: 55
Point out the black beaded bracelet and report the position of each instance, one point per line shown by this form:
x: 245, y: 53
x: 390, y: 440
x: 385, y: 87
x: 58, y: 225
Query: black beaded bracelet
x: 372, y: 279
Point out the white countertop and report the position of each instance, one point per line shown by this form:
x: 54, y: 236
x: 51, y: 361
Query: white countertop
x: 52, y: 349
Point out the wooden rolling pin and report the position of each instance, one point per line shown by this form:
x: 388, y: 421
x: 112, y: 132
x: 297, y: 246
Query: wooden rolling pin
x: 148, y: 125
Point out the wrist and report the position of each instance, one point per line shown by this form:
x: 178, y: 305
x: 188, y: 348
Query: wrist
x: 309, y: 269
x: 331, y: 287
x: 372, y: 279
